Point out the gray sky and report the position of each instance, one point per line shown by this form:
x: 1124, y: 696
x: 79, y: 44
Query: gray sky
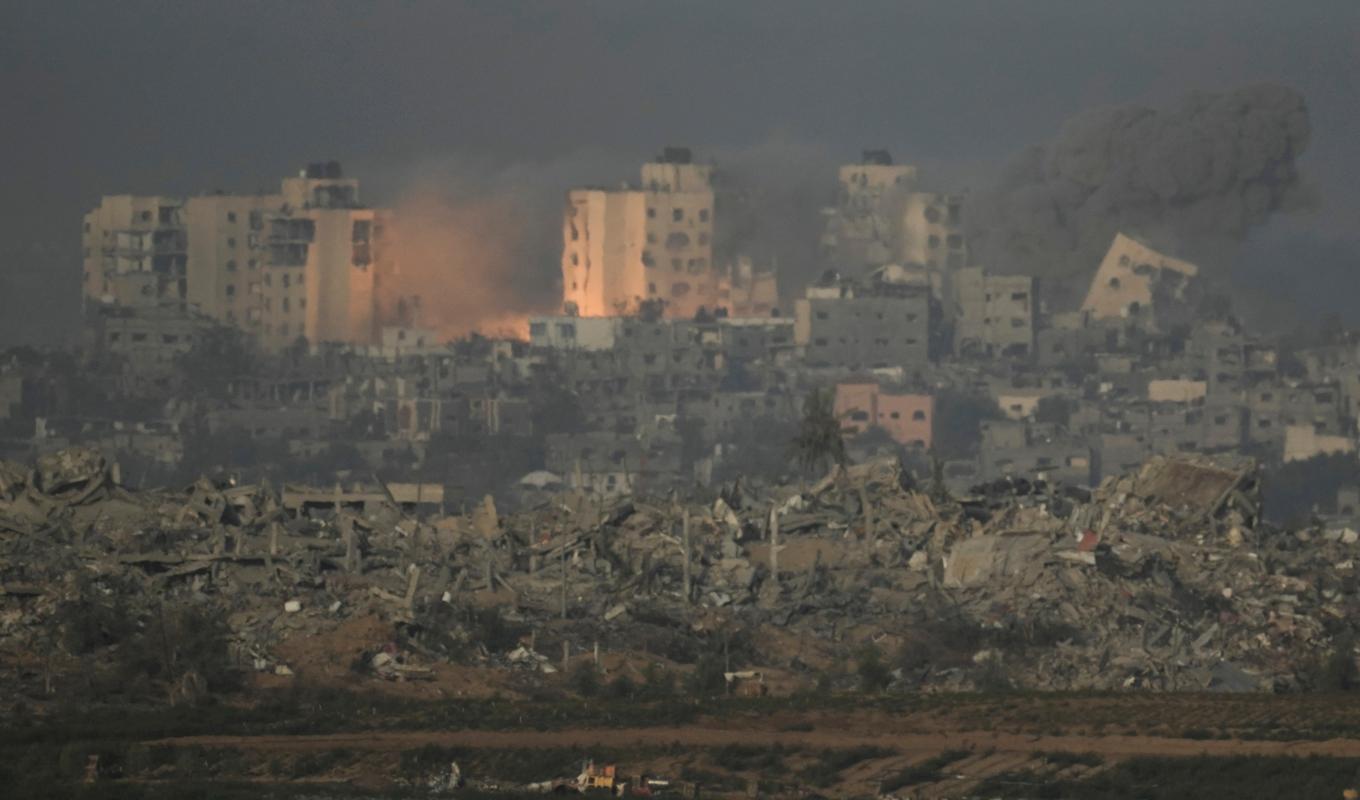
x: 181, y: 96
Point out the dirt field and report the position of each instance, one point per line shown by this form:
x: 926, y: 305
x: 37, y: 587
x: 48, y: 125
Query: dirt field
x: 892, y: 743
x: 920, y: 744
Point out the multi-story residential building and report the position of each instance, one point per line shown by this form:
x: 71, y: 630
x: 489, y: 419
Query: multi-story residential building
x: 863, y: 228
x: 907, y: 417
x: 624, y: 247
x: 881, y: 217
x: 1139, y: 284
x: 931, y: 231
x: 228, y: 256
x: 130, y: 234
x: 864, y: 326
x: 303, y: 263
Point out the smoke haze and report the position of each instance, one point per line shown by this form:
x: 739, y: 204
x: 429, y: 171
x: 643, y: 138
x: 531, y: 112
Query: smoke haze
x: 1192, y: 177
x: 143, y: 97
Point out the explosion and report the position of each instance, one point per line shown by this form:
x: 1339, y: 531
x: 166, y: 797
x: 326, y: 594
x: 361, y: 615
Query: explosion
x: 460, y: 267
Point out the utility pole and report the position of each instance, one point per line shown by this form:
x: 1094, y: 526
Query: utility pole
x: 684, y: 538
x: 774, y: 543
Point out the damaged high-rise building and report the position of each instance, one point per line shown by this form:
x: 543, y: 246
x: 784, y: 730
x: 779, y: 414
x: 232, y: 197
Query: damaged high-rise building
x: 653, y: 243
x: 882, y: 216
x: 304, y: 263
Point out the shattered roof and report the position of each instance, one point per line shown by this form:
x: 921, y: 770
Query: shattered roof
x: 1182, y: 483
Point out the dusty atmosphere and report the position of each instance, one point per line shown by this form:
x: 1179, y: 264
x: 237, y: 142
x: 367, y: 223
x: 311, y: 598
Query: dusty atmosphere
x: 712, y: 399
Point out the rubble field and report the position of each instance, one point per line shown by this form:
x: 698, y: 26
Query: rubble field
x: 1163, y: 579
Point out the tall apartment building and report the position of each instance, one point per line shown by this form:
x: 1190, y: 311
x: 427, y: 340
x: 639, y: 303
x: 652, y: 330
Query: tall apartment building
x: 301, y: 263
x: 882, y: 217
x: 931, y: 232
x: 134, y: 250
x: 622, y: 247
x: 227, y: 257
x: 862, y: 230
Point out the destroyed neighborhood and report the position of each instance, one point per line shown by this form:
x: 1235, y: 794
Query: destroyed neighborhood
x: 849, y: 531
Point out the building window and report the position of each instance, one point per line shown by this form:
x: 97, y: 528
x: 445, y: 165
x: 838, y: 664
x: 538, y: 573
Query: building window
x: 918, y: 415
x: 302, y: 302
x: 651, y: 213
x: 231, y: 216
x: 287, y: 280
x: 115, y: 336
x: 651, y: 288
x: 139, y: 337
x: 677, y: 214
x: 231, y: 266
x: 231, y: 290
x: 703, y: 215
x: 146, y: 216
x: 286, y: 308
x: 252, y: 264
x: 231, y: 242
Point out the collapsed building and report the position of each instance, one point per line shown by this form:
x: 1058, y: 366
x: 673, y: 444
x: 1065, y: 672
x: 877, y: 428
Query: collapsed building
x: 1165, y: 578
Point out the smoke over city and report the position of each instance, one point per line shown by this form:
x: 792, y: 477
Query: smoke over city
x: 480, y: 243
x: 769, y: 200
x: 1192, y: 177
x: 477, y: 243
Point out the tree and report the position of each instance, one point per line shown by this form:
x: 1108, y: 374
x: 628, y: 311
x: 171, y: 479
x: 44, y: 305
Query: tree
x: 819, y: 443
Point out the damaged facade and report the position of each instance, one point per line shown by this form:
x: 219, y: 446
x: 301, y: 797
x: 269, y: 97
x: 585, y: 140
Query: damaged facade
x: 300, y: 264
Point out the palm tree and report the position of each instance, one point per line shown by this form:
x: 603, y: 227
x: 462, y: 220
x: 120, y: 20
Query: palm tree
x: 819, y: 443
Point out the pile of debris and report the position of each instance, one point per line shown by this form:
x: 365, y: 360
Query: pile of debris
x: 1163, y: 579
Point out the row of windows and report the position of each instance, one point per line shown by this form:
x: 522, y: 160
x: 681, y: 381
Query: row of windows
x: 863, y: 416
x: 678, y: 214
x: 880, y: 342
x: 909, y: 316
x: 141, y: 336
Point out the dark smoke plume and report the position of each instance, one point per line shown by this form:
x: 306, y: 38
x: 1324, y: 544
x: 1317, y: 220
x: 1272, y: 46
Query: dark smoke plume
x: 1190, y: 178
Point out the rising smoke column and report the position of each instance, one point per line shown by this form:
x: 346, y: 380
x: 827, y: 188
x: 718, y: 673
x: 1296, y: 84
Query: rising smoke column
x: 1190, y: 178
x: 478, y: 242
